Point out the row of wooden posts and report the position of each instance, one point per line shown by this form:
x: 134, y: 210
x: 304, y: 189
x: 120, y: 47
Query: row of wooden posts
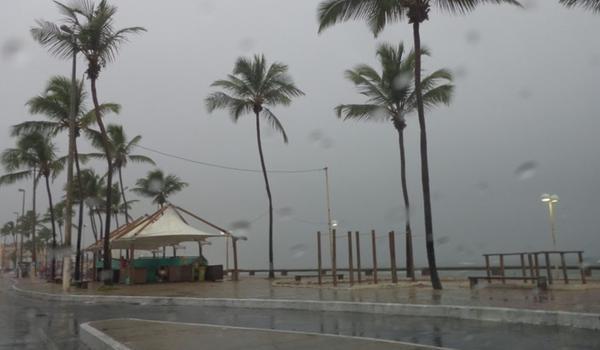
x: 533, y: 264
x: 359, y: 279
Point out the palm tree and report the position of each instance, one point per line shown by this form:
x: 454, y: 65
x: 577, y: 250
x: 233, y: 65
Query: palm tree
x: 121, y: 152
x: 98, y: 41
x: 21, y: 164
x: 391, y: 96
x: 593, y: 5
x: 158, y: 186
x: 9, y: 230
x: 378, y: 13
x: 55, y: 104
x: 88, y: 194
x: 43, y: 155
x: 250, y: 89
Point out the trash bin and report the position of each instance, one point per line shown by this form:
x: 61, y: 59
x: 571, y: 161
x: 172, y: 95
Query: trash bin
x: 201, y: 273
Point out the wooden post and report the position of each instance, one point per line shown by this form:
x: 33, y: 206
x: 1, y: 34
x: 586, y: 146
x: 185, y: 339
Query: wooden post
x: 358, y: 272
x: 548, y: 269
x: 523, y: 270
x: 333, y: 259
x: 537, y: 265
x: 131, y: 270
x: 374, y: 247
x: 502, y: 268
x: 235, y: 275
x: 392, y: 244
x: 564, y: 267
x: 530, y: 259
x: 319, y: 267
x: 487, y: 268
x: 581, y: 267
x: 350, y: 262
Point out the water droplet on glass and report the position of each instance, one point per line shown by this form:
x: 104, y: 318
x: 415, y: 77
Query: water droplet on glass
x: 524, y: 93
x: 394, y: 215
x: 155, y: 185
x: 285, y: 213
x: 460, y: 72
x: 246, y: 44
x: 529, y: 4
x: 473, y: 37
x: 442, y: 240
x: 594, y: 60
x: 207, y: 6
x: 13, y: 52
x: 526, y: 170
x: 298, y: 250
x: 240, y: 228
x: 315, y: 135
x: 326, y: 143
x: 403, y: 81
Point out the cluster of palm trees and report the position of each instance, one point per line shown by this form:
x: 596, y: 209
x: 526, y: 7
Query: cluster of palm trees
x: 35, y: 156
x: 391, y: 93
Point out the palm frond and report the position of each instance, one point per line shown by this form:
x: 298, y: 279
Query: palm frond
x: 9, y: 179
x: 274, y: 123
x: 136, y: 158
x: 363, y: 112
x: 377, y: 13
x: 593, y: 5
x: 50, y: 36
x: 50, y: 128
x: 465, y: 6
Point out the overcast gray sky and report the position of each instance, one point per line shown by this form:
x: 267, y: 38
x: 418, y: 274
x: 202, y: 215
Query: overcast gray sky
x: 526, y: 93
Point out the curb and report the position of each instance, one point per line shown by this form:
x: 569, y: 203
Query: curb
x: 494, y: 314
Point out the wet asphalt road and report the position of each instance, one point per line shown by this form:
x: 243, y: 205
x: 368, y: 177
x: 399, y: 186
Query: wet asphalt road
x: 27, y: 323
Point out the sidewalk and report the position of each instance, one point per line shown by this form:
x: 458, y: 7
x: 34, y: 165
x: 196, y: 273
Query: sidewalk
x: 154, y: 335
x: 575, y: 298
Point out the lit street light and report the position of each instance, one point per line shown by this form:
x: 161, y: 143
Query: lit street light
x: 551, y: 200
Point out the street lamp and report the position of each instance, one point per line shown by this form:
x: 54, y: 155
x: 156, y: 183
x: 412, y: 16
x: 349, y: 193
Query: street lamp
x: 551, y: 200
x: 22, y: 218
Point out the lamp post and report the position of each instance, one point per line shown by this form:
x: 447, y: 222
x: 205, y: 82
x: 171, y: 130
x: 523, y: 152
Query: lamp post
x: 22, y: 219
x: 551, y: 200
x: 16, y: 242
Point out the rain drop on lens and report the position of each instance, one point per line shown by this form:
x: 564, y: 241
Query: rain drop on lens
x: 526, y: 170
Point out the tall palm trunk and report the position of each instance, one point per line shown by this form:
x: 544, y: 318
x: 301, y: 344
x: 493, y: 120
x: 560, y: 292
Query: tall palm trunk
x: 105, y: 142
x: 264, y: 171
x: 101, y: 230
x: 51, y: 208
x: 435, y: 279
x: 33, y: 239
x: 93, y: 224
x: 123, y: 195
x: 410, y: 267
x: 80, y: 219
x: 34, y: 219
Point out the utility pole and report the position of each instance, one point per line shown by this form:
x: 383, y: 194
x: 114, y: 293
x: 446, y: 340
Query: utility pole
x: 329, y: 223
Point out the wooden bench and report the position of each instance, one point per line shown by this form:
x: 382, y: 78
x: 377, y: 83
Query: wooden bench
x: 542, y: 282
x: 298, y: 278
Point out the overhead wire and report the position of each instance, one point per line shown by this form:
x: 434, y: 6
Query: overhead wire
x: 226, y: 167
